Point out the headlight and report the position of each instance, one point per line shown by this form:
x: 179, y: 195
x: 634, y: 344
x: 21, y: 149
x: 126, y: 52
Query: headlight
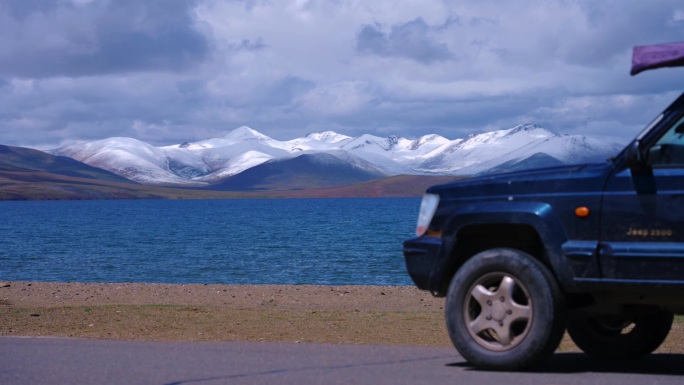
x: 427, y: 210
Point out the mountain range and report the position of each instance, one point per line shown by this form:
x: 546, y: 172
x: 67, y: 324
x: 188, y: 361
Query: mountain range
x: 28, y: 174
x: 248, y: 160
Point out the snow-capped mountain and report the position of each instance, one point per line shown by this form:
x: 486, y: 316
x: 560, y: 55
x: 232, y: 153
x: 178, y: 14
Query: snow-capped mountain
x: 479, y: 153
x: 127, y: 157
x: 213, y: 160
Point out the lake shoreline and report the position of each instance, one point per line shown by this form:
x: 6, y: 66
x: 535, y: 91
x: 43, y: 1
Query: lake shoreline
x: 293, y: 297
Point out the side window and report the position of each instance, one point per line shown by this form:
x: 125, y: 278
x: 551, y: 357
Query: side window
x: 668, y: 151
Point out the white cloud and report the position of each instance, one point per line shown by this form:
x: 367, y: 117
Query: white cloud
x: 678, y: 16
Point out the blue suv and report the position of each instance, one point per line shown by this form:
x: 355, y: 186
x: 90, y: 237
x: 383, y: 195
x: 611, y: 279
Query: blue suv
x: 594, y: 249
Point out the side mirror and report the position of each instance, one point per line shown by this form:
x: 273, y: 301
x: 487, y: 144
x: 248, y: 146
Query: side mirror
x: 637, y: 161
x: 633, y: 156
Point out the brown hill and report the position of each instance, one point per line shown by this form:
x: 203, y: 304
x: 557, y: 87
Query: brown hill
x: 22, y: 184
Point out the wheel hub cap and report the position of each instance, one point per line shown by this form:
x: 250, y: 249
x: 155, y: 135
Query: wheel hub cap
x: 498, y: 312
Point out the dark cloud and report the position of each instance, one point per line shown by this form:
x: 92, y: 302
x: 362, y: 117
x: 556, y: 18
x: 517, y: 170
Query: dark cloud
x: 21, y: 9
x: 53, y: 38
x: 413, y: 40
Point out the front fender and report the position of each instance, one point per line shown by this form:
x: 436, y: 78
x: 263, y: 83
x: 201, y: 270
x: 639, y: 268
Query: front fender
x: 538, y: 215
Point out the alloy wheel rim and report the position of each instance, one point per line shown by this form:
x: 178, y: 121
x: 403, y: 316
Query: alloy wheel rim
x: 498, y: 312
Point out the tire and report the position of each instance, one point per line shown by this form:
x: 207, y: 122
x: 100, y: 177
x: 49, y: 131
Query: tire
x: 621, y: 338
x: 504, y: 310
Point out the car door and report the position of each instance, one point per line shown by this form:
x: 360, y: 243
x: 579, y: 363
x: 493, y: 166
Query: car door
x: 642, y: 226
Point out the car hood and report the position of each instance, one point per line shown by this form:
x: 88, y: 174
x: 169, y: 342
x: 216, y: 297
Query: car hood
x: 576, y: 178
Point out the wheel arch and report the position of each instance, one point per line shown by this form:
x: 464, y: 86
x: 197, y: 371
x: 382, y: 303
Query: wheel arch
x: 531, y: 227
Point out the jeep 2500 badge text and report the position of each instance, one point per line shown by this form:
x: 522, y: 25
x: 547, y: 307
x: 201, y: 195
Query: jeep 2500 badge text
x: 597, y: 249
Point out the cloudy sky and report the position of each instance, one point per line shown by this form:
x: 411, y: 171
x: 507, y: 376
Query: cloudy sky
x: 169, y: 71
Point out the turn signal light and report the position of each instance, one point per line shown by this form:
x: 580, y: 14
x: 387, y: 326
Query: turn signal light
x: 582, y: 211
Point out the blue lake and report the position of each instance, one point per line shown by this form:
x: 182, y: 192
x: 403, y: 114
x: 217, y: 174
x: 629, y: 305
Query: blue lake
x: 250, y: 241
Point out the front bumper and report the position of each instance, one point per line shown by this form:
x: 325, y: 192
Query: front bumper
x: 425, y: 262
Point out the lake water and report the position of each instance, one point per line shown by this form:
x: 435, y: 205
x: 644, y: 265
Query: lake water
x: 251, y: 241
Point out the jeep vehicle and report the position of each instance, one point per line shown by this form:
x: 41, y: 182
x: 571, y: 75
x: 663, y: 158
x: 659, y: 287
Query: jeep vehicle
x: 594, y: 249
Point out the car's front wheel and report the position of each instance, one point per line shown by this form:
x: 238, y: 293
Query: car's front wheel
x: 621, y: 337
x: 504, y: 310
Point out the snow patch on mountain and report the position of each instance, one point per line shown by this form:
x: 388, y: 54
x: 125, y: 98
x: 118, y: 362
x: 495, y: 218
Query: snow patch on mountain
x: 327, y: 137
x: 127, y: 157
x: 236, y: 165
x: 478, y: 153
x: 240, y: 135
